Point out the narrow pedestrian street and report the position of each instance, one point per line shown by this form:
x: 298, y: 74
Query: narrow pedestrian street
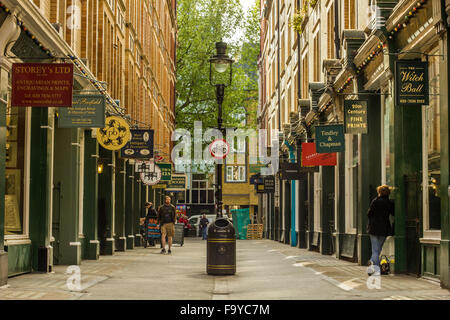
x: 266, y: 270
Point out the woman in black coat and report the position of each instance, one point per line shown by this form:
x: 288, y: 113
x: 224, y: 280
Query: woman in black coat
x: 379, y: 226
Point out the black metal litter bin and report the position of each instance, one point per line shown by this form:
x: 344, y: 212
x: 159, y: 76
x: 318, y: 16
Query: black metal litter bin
x: 221, y: 248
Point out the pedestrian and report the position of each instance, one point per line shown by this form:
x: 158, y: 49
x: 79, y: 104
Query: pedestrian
x: 151, y: 222
x: 167, y: 218
x: 379, y: 226
x: 204, y: 226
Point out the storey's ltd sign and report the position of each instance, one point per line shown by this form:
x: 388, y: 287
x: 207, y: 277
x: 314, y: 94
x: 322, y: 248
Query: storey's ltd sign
x: 41, y: 85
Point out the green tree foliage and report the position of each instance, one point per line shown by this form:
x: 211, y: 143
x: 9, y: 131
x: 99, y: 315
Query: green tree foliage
x: 201, y: 23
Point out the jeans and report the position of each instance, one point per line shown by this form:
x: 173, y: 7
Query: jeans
x: 204, y: 233
x: 377, y: 245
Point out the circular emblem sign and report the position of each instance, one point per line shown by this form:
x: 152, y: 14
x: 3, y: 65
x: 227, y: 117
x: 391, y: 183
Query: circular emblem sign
x: 151, y: 178
x: 115, y: 134
x: 219, y: 149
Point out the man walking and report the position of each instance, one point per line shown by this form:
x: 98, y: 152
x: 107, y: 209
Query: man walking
x: 204, y: 226
x: 167, y: 218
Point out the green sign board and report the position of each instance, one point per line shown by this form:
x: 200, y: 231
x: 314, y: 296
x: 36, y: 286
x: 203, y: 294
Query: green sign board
x: 178, y: 182
x: 412, y: 87
x: 160, y: 185
x: 256, y: 168
x: 87, y: 111
x: 355, y: 116
x: 166, y: 171
x: 330, y: 138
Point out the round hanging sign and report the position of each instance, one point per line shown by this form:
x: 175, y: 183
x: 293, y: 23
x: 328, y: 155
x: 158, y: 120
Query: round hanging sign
x: 151, y: 178
x: 115, y: 134
x: 219, y: 149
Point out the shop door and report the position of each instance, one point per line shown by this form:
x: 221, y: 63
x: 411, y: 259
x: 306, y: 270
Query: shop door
x: 56, y: 221
x: 413, y: 197
x: 287, y: 212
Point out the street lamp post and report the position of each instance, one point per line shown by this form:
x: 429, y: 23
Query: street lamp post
x: 219, y: 65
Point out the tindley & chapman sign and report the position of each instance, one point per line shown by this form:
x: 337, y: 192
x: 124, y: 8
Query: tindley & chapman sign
x: 412, y: 83
x: 42, y: 85
x: 330, y: 138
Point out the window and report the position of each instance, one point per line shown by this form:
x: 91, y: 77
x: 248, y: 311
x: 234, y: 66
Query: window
x: 120, y: 19
x: 317, y: 57
x: 350, y: 14
x: 15, y: 219
x: 235, y: 174
x: 330, y: 33
x: 317, y: 200
x: 305, y: 80
x: 386, y: 153
x: 202, y: 191
x: 131, y: 43
x: 432, y: 149
x: 351, y: 182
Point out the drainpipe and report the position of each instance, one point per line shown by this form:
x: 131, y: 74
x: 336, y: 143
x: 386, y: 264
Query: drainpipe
x: 337, y: 40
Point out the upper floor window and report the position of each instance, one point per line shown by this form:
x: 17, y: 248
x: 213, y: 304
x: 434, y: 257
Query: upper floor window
x: 349, y: 14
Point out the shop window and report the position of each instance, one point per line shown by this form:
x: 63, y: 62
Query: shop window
x: 355, y: 161
x: 14, y: 173
x: 386, y: 160
x: 432, y: 148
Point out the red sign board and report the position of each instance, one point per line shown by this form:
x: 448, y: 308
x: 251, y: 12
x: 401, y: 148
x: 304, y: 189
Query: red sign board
x: 42, y: 85
x: 311, y: 158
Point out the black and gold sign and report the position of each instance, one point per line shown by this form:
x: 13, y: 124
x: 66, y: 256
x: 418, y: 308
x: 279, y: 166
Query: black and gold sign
x: 355, y: 116
x: 412, y: 83
x: 115, y: 134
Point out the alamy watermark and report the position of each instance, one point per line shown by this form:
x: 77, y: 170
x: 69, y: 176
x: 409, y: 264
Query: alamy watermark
x: 73, y: 283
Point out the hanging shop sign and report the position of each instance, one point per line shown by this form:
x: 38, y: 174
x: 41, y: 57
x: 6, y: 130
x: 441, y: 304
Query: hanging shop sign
x: 311, y: 158
x: 115, y: 134
x: 290, y: 171
x: 330, y: 138
x: 151, y: 178
x: 178, y: 183
x: 256, y: 179
x: 41, y: 85
x: 412, y: 87
x: 166, y: 171
x: 160, y: 185
x: 355, y: 116
x: 293, y: 171
x: 269, y: 184
x: 143, y: 166
x: 219, y: 149
x: 260, y: 188
x: 140, y: 145
x: 256, y: 168
x: 88, y: 111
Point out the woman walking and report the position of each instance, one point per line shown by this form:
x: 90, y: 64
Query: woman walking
x: 379, y: 226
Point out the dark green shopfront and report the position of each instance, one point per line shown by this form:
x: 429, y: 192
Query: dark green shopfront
x: 406, y: 146
x: 59, y: 208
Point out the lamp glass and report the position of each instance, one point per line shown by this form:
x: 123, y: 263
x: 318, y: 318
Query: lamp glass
x: 221, y: 66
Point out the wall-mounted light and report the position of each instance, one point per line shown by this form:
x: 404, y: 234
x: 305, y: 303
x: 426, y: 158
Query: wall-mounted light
x: 100, y: 168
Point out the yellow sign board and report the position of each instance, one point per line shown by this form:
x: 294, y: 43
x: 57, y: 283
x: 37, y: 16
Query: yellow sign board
x: 115, y: 135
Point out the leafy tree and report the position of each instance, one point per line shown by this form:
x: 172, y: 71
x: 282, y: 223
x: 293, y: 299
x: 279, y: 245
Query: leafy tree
x: 202, y: 23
